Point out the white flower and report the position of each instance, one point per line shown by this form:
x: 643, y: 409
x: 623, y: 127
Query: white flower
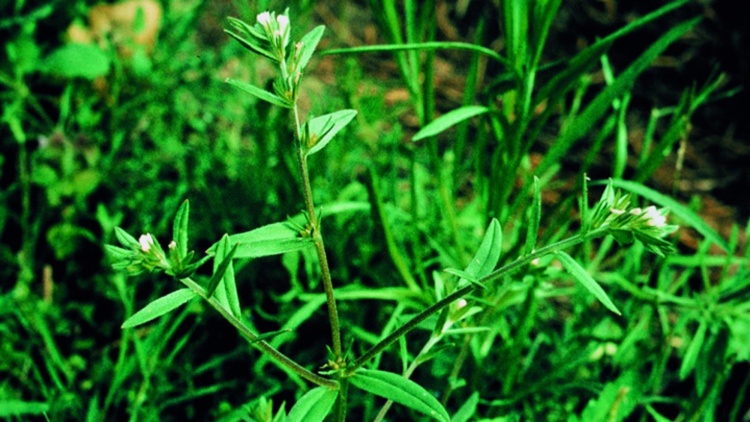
x: 283, y: 22
x: 264, y: 19
x: 460, y: 303
x: 615, y: 211
x: 146, y: 242
x: 653, y: 217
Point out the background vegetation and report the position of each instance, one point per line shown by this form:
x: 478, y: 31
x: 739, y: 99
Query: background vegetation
x: 116, y: 130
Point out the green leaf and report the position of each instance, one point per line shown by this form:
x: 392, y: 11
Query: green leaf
x: 449, y: 119
x: 118, y: 254
x: 467, y: 410
x: 76, y: 60
x: 220, y: 270
x: 400, y: 390
x: 691, y: 355
x: 260, y: 93
x: 488, y: 254
x: 254, y: 40
x: 9, y: 408
x: 180, y: 229
x: 223, y: 266
x: 159, y: 307
x: 309, y: 43
x: 465, y: 275
x: 588, y: 282
x: 534, y: 218
x: 126, y: 239
x: 314, y: 406
x: 325, y: 127
x: 272, y: 239
x: 686, y: 214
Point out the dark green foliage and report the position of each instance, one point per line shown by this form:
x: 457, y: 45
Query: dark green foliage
x: 589, y: 328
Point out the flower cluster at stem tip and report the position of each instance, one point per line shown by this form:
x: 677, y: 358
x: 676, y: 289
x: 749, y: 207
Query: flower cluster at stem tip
x: 276, y: 28
x: 648, y: 225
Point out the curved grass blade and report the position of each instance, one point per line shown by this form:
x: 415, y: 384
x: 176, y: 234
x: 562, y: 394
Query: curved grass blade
x: 448, y: 120
x: 584, y: 122
x: 159, y: 307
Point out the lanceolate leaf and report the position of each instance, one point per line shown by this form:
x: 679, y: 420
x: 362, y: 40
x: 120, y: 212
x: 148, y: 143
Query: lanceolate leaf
x: 309, y: 43
x: 180, y: 229
x: 588, y: 282
x: 126, y: 239
x: 448, y: 120
x: 273, y: 239
x: 314, y: 406
x: 227, y: 283
x: 488, y: 253
x: 534, y: 218
x: 220, y: 271
x: 400, y: 390
x: 327, y: 126
x: 159, y: 307
x: 260, y: 93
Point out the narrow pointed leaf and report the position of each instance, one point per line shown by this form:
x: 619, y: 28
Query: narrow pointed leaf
x: 588, y: 282
x: 467, y: 410
x: 488, y: 254
x: 400, y: 390
x: 227, y: 282
x: 118, y: 254
x: 126, y: 239
x: 309, y: 43
x: 314, y: 406
x: 327, y: 126
x: 220, y: 271
x: 465, y: 275
x: 534, y: 219
x: 180, y: 229
x: 260, y: 93
x: 448, y: 120
x: 273, y: 239
x: 159, y: 307
x: 691, y: 355
x: 252, y: 45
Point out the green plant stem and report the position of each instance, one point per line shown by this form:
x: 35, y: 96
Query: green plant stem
x: 463, y: 291
x: 320, y: 250
x: 262, y: 345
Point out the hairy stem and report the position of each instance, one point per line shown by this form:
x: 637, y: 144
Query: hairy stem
x: 262, y: 345
x: 320, y: 250
x: 465, y: 290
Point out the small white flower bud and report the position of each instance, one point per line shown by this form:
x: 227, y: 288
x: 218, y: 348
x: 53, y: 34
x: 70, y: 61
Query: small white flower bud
x: 283, y: 22
x: 146, y: 242
x: 264, y: 19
